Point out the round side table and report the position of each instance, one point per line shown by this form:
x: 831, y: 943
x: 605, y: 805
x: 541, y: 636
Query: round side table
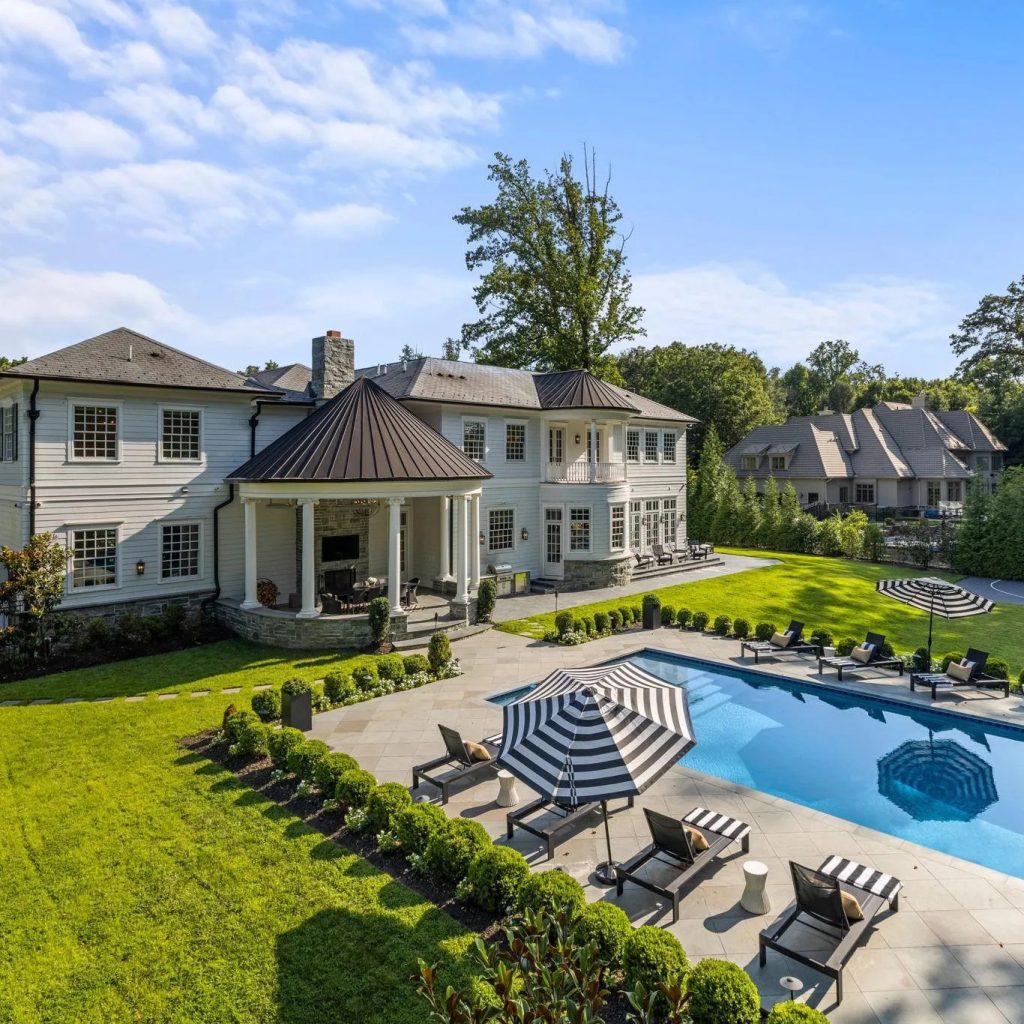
x: 508, y: 795
x: 755, y: 898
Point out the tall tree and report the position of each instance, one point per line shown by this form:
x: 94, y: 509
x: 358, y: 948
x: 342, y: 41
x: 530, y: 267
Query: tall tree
x: 993, y: 334
x: 408, y: 353
x: 703, y: 495
x: 554, y: 293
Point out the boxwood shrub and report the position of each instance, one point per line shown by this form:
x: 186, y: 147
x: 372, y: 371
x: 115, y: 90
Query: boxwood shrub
x: 652, y: 956
x: 338, y: 686
x: 683, y: 617
x: 845, y: 645
x: 740, y: 629
x: 700, y: 621
x: 365, y: 677
x: 267, y: 704
x: 497, y: 875
x: 722, y: 625
x: 998, y: 668
x: 451, y: 849
x: 280, y: 744
x: 601, y: 623
x: 668, y: 615
x: 588, y: 624
x: 636, y: 612
x: 329, y: 770
x: 250, y: 738
x: 354, y: 787
x: 305, y: 757
x: 555, y: 891
x: 609, y: 926
x: 486, y: 595
x: 295, y: 688
x: 721, y: 992
x: 384, y: 802
x: 563, y: 622
x: 236, y: 721
x: 439, y: 652
x: 614, y: 619
x: 391, y: 667
x: 791, y: 1012
x: 625, y: 616
x: 414, y: 826
x: 764, y: 631
x: 822, y: 637
x: 414, y: 663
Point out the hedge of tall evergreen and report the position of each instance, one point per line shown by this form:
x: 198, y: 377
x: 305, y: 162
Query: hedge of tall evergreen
x: 990, y: 540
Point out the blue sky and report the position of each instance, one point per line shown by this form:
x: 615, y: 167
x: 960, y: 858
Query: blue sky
x: 235, y: 176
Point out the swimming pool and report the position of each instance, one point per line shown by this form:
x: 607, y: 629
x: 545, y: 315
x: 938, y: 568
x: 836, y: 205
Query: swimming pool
x: 938, y: 779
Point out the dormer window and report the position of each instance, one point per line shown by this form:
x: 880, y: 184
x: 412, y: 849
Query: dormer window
x: 750, y: 462
x: 778, y: 462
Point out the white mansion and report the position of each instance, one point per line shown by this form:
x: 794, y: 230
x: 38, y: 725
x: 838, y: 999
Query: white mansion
x: 171, y: 479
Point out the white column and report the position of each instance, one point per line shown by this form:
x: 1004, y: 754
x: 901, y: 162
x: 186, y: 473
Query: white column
x: 251, y: 600
x: 593, y: 451
x: 445, y: 568
x: 309, y: 609
x: 395, y: 554
x: 474, y: 542
x: 461, y: 547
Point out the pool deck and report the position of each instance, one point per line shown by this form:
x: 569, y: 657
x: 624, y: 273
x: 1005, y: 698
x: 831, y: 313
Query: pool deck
x: 953, y: 954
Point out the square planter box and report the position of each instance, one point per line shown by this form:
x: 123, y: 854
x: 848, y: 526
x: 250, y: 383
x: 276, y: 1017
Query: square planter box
x: 297, y: 711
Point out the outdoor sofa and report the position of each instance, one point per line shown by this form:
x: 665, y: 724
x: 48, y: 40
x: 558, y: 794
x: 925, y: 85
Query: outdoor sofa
x: 673, y: 843
x: 790, y: 642
x: 868, y: 655
x: 555, y: 830
x: 459, y: 763
x: 819, y: 905
x: 969, y: 673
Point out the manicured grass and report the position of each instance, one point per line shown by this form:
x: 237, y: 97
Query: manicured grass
x: 213, y: 667
x: 831, y: 593
x: 142, y: 883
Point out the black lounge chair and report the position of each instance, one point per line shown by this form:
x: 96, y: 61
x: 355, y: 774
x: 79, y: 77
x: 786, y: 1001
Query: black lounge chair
x: 850, y: 664
x: 671, y: 844
x: 664, y: 556
x: 457, y: 759
x: 819, y: 906
x: 936, y: 681
x: 643, y: 561
x: 699, y: 550
x: 554, y: 831
x: 796, y: 645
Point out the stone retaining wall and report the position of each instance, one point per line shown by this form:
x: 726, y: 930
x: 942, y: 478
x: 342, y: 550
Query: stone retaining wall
x: 283, y: 629
x: 592, y: 574
x: 192, y: 603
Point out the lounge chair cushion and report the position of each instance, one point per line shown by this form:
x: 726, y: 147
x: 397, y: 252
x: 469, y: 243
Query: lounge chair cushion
x: 863, y: 653
x: 851, y: 907
x: 960, y: 672
x: 697, y: 841
x: 478, y: 752
x: 781, y: 639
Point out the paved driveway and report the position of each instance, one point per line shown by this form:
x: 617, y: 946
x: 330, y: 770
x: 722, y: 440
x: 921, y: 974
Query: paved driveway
x: 954, y: 954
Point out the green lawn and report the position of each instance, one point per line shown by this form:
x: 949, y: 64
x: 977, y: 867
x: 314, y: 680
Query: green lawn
x: 832, y: 593
x: 142, y: 883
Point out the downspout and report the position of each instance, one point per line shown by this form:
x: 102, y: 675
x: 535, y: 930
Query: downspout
x: 33, y: 415
x: 254, y: 420
x: 207, y: 601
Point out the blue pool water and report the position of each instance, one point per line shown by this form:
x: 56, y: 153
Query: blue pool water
x: 935, y: 778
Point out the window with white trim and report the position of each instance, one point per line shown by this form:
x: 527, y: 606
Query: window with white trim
x: 501, y: 529
x: 650, y: 446
x: 180, y: 435
x: 9, y: 442
x: 618, y: 535
x: 94, y: 432
x: 179, y: 550
x: 954, y: 490
x: 474, y: 439
x: 515, y: 442
x: 668, y: 446
x: 579, y: 529
x: 632, y: 445
x: 652, y: 518
x: 669, y: 514
x: 864, y: 494
x: 93, y: 557
x: 636, y: 518
x: 934, y: 492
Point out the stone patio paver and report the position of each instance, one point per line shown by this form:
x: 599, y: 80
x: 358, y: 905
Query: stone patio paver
x: 954, y: 953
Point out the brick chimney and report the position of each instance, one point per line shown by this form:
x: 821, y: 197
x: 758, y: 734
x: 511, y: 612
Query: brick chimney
x: 334, y: 364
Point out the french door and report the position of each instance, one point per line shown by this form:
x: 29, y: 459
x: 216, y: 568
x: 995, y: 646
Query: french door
x: 553, y: 541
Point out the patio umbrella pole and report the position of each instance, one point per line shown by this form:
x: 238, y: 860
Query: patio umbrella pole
x: 931, y: 619
x: 605, y: 872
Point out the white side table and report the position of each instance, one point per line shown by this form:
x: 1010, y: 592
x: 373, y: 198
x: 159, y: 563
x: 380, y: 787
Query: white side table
x: 755, y: 897
x: 828, y: 652
x: 508, y: 795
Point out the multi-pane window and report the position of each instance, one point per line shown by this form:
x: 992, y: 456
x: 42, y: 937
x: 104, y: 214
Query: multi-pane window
x: 501, y: 525
x: 9, y: 426
x: 179, y: 434
x: 474, y: 442
x: 579, y: 529
x: 750, y: 462
x: 668, y: 511
x: 651, y: 509
x: 179, y: 550
x: 778, y: 462
x: 632, y: 445
x: 636, y: 516
x: 94, y: 557
x: 668, y: 446
x: 650, y: 446
x: 556, y: 445
x: 515, y: 442
x: 590, y: 457
x: 934, y: 492
x: 864, y: 494
x: 95, y: 432
x: 954, y: 491
x: 618, y: 527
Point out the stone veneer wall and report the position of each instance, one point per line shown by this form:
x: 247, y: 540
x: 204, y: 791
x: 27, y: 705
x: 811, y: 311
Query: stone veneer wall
x: 332, y: 518
x: 590, y: 574
x: 283, y: 629
x: 192, y: 603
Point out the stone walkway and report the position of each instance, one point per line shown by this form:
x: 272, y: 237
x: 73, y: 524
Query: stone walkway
x: 523, y: 605
x: 954, y: 954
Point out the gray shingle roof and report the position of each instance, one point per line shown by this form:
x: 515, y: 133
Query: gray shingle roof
x: 292, y: 381
x: 123, y: 356
x: 975, y: 435
x: 362, y: 434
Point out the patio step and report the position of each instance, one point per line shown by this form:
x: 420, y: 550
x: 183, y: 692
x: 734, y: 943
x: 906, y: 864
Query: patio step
x: 547, y: 585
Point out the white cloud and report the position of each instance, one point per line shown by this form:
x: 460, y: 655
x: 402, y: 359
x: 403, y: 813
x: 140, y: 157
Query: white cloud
x: 183, y: 29
x: 170, y: 117
x: 23, y: 23
x: 756, y: 309
x: 74, y: 133
x: 344, y: 220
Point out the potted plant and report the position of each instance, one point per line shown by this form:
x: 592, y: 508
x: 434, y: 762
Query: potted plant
x: 652, y: 611
x: 297, y: 704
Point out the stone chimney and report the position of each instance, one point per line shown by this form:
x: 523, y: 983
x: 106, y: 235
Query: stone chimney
x: 334, y: 364
x: 919, y: 401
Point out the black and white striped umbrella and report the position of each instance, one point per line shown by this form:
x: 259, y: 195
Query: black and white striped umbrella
x: 937, y: 597
x: 594, y: 734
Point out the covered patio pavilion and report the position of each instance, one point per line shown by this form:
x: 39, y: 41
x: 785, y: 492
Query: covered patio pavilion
x: 359, y: 455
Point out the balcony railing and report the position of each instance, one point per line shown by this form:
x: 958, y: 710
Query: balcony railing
x: 585, y: 472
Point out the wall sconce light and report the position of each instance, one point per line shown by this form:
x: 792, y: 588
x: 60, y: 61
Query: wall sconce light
x: 577, y: 438
x: 525, y: 534
x: 481, y: 536
x: 140, y: 567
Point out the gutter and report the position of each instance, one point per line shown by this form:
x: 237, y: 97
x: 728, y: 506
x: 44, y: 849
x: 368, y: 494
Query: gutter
x: 33, y: 415
x: 207, y: 601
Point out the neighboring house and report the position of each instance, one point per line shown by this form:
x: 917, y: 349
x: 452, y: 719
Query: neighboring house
x: 893, y: 456
x: 169, y: 478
